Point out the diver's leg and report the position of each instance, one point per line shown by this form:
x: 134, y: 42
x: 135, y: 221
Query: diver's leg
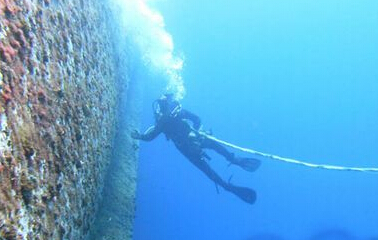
x: 248, y: 164
x: 210, y: 173
x: 246, y: 194
x: 211, y: 144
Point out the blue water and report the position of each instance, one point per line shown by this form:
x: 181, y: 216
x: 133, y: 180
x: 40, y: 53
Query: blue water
x: 294, y: 78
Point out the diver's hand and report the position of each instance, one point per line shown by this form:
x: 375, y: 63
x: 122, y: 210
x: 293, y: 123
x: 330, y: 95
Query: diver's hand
x: 136, y: 134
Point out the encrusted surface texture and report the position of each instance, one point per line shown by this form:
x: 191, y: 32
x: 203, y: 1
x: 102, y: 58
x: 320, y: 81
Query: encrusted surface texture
x: 58, y: 101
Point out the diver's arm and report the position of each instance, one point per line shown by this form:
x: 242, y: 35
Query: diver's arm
x: 150, y: 134
x: 192, y: 117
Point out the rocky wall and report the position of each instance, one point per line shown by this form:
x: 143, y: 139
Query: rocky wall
x: 57, y: 116
x: 115, y: 218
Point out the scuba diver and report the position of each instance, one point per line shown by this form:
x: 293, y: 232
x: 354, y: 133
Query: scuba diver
x: 172, y: 120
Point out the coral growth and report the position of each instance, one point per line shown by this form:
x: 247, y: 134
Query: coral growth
x: 7, y: 53
x: 6, y: 94
x: 53, y: 151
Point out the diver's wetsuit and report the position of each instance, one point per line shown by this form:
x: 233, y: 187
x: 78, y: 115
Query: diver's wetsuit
x: 191, y: 142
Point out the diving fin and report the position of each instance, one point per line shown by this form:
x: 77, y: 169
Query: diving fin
x: 246, y: 194
x: 248, y: 164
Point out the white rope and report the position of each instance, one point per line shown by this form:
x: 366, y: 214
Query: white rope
x: 289, y: 160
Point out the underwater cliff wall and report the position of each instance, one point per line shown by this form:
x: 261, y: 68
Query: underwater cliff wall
x: 58, y: 101
x: 115, y: 217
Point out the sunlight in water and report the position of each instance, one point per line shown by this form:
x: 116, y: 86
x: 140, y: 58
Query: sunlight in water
x: 146, y: 29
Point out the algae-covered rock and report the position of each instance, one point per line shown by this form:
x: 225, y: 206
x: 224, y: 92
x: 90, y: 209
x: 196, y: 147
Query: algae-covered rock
x: 58, y: 109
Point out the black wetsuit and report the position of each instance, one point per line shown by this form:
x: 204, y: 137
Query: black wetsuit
x: 191, y: 142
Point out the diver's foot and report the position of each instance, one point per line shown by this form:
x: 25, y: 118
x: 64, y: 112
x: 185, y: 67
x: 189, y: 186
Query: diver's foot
x: 248, y: 164
x: 248, y: 195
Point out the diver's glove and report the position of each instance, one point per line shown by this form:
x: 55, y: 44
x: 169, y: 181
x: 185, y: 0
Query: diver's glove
x: 136, y: 134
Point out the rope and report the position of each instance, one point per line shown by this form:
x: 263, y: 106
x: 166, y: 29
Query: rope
x: 294, y: 161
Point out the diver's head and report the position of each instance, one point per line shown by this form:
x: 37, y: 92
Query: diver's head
x: 164, y: 105
x: 164, y: 101
x: 168, y: 97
